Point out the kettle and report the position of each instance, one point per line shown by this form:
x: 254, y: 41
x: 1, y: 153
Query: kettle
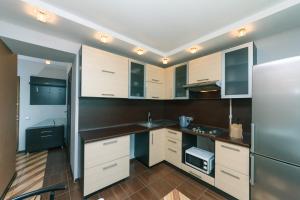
x: 184, y: 121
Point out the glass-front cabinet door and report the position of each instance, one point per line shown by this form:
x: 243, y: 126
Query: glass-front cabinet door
x: 181, y: 80
x: 237, y: 71
x: 137, y: 80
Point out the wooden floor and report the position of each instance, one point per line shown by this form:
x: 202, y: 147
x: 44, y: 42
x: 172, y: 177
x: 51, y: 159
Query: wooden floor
x: 143, y: 184
x: 30, y: 174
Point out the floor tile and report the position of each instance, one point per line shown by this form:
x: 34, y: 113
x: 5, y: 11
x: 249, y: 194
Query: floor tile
x: 191, y: 190
x: 116, y: 192
x: 132, y: 185
x: 137, y: 168
x: 149, y: 177
x: 143, y: 194
x: 175, y: 179
x: 211, y: 195
x: 162, y: 169
x: 160, y: 188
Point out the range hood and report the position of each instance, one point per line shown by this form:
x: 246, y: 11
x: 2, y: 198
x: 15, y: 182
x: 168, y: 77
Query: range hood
x: 205, y: 86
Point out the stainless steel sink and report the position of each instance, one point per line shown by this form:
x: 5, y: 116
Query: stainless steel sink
x: 156, y: 123
x: 149, y: 125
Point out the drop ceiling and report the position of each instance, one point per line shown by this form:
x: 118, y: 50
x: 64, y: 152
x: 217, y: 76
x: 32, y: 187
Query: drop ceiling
x: 163, y: 28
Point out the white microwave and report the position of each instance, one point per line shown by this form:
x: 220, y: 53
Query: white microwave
x: 200, y: 159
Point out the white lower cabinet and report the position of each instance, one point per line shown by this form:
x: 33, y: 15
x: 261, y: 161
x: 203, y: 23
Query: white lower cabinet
x: 232, y: 182
x: 156, y: 146
x: 105, y: 162
x: 106, y: 174
x: 232, y: 170
x: 173, y: 147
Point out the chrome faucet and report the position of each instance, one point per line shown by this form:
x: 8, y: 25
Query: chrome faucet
x: 149, y: 118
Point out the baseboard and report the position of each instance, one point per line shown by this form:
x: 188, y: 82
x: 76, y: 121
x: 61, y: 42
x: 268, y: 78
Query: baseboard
x: 8, y: 186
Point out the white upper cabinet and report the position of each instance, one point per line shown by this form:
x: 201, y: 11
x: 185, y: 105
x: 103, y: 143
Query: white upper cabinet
x: 154, y: 74
x: 155, y: 79
x: 103, y: 74
x: 237, y: 66
x: 169, y: 83
x: 207, y: 68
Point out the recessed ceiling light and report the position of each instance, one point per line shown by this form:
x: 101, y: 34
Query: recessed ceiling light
x: 242, y: 32
x: 194, y: 49
x: 41, y: 16
x: 140, y: 51
x: 103, y: 38
x: 47, y: 62
x: 165, y: 61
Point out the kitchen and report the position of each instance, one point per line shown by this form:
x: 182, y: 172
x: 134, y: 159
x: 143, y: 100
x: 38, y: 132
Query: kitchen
x: 212, y: 119
x: 161, y: 138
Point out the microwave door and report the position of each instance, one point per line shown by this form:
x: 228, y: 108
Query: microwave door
x: 195, y: 162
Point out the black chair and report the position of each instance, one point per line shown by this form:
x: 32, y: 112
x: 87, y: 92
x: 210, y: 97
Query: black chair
x: 51, y: 189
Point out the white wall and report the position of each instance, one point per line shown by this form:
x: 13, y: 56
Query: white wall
x: 75, y: 141
x: 33, y: 114
x: 278, y: 46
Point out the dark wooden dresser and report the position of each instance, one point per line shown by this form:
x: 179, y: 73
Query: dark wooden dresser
x: 43, y: 138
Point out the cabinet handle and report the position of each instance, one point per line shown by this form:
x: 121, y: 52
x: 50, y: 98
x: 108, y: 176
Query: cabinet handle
x: 203, y: 80
x: 110, y: 142
x: 104, y: 94
x: 155, y: 97
x: 172, y: 150
x: 252, y: 180
x: 155, y: 80
x: 46, y: 131
x: 229, y: 174
x: 195, y: 174
x: 152, y: 139
x: 230, y: 148
x: 172, y: 141
x: 45, y: 136
x: 110, y: 166
x: 172, y: 132
x: 106, y: 71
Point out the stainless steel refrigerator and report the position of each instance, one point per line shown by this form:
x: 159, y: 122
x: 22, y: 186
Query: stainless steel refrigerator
x: 275, y: 149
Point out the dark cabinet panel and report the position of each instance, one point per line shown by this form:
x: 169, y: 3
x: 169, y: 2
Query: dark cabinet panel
x: 38, y: 139
x: 47, y: 91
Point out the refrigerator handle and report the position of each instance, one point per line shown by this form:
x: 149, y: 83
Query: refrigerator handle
x: 252, y: 137
x: 252, y: 180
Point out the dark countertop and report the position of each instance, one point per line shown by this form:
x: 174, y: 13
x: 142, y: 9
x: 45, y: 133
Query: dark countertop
x: 127, y: 129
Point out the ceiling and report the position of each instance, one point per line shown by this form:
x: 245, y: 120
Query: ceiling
x: 39, y: 52
x: 163, y: 28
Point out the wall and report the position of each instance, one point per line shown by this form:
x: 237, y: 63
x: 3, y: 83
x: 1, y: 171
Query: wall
x: 33, y: 114
x: 101, y: 112
x: 8, y: 100
x: 278, y: 46
x: 75, y: 146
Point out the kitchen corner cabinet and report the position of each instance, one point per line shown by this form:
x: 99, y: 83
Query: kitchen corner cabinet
x: 103, y: 74
x: 181, y: 79
x: 156, y: 146
x: 155, y: 82
x: 137, y: 80
x: 237, y: 66
x: 204, y: 69
x: 169, y: 83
